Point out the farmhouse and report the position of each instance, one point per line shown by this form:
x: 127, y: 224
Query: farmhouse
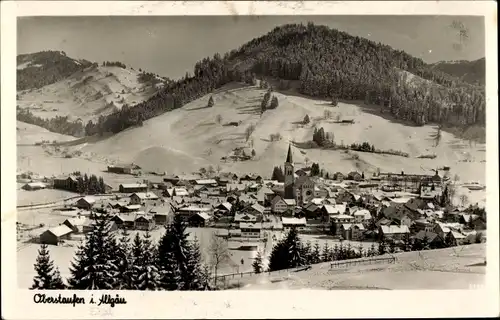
x: 55, y: 235
x: 455, y: 238
x: 76, y: 224
x: 244, y: 217
x: 351, y: 231
x: 144, y: 222
x: 176, y: 192
x: 125, y: 220
x: 362, y: 215
x: 278, y: 205
x: 141, y: 197
x: 124, y: 168
x: 255, y: 209
x: 432, y: 239
x: 199, y: 219
x: 133, y: 187
x: 130, y: 208
x: 85, y: 202
x: 250, y: 230
x: 32, y: 186
x: 206, y: 182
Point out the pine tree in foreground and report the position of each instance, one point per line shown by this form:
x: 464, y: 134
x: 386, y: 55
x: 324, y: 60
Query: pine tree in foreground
x: 167, y: 264
x: 257, y: 264
x: 316, y: 255
x: 147, y: 275
x: 325, y: 256
x: 124, y: 262
x: 47, y: 276
x: 95, y: 265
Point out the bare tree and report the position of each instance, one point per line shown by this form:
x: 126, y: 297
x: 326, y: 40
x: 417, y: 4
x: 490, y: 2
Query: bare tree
x: 327, y: 114
x: 210, y: 170
x: 306, y: 160
x: 218, y: 168
x: 218, y: 253
x: 456, y: 178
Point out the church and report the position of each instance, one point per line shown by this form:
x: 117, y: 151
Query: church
x: 301, y: 188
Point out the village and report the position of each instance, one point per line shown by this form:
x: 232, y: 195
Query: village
x: 390, y: 208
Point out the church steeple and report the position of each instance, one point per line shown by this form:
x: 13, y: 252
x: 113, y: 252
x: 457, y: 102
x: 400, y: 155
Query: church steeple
x: 289, y: 155
x: 289, y: 175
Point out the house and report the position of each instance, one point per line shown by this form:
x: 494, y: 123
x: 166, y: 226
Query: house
x: 423, y: 225
x: 66, y: 183
x: 351, y: 231
x: 161, y: 215
x: 32, y: 186
x: 336, y: 209
x: 244, y: 217
x: 430, y: 239
x: 141, y: 197
x: 85, y: 203
x: 75, y: 224
x: 298, y: 223
x: 224, y: 207
x: 144, y: 222
x: 393, y: 232
x: 455, y: 238
x: 130, y: 208
x: 255, y: 209
x: 341, y: 218
x: 176, y: 192
x: 56, y: 234
x: 250, y: 230
x: 125, y: 220
x: 199, y: 219
x: 362, y: 215
x: 442, y: 229
x: 235, y: 187
x: 124, y: 168
x: 206, y: 182
x: 190, y: 210
x: 278, y: 205
x: 133, y: 187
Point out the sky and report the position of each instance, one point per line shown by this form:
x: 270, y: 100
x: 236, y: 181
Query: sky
x: 171, y: 45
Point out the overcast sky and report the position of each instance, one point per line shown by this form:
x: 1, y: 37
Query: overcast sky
x: 170, y: 46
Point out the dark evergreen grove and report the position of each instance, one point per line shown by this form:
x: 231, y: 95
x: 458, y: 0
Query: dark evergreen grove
x: 102, y: 262
x: 327, y: 63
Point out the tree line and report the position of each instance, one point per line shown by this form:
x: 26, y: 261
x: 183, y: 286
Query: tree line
x: 103, y: 262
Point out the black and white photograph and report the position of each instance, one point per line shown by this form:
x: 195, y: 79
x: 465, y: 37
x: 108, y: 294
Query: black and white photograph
x: 252, y: 152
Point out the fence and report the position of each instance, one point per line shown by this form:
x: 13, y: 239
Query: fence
x: 349, y: 263
x: 240, y: 275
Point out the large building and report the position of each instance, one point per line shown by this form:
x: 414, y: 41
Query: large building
x: 300, y: 190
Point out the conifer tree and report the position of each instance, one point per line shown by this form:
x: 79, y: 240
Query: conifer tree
x: 195, y: 268
x: 274, y: 103
x: 47, y: 276
x: 147, y: 275
x: 95, y: 265
x: 325, y: 255
x: 306, y: 119
x: 381, y: 247
x: 210, y: 102
x: 124, y: 262
x: 316, y: 254
x: 167, y: 264
x: 257, y: 264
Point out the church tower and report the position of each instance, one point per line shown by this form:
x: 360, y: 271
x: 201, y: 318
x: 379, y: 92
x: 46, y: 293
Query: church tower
x: 289, y: 176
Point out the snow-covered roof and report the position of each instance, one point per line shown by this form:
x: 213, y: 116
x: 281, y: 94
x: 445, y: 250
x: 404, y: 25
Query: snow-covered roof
x: 293, y: 221
x: 290, y: 202
x: 133, y: 185
x: 206, y: 181
x: 394, y: 229
x: 248, y: 225
x: 342, y: 216
x: 60, y: 230
x: 145, y: 195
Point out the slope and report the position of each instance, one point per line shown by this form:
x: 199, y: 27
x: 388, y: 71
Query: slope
x: 89, y: 93
x: 190, y: 137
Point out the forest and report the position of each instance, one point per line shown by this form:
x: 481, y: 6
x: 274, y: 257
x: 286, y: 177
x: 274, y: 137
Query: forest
x: 326, y: 63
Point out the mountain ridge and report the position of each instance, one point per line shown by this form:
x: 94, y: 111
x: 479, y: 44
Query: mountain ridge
x: 326, y: 62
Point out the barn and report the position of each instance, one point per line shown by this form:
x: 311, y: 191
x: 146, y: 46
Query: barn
x: 55, y: 235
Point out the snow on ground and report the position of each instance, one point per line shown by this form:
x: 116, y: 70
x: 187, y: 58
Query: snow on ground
x: 87, y: 94
x: 28, y: 134
x: 188, y: 138
x: 434, y: 269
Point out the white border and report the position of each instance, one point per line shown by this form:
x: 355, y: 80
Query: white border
x: 17, y: 303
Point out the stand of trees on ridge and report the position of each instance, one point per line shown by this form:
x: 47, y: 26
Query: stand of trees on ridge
x: 327, y: 63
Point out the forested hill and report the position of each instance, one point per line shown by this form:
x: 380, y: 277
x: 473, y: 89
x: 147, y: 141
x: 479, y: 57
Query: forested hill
x: 326, y: 63
x: 36, y: 70
x: 473, y: 72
